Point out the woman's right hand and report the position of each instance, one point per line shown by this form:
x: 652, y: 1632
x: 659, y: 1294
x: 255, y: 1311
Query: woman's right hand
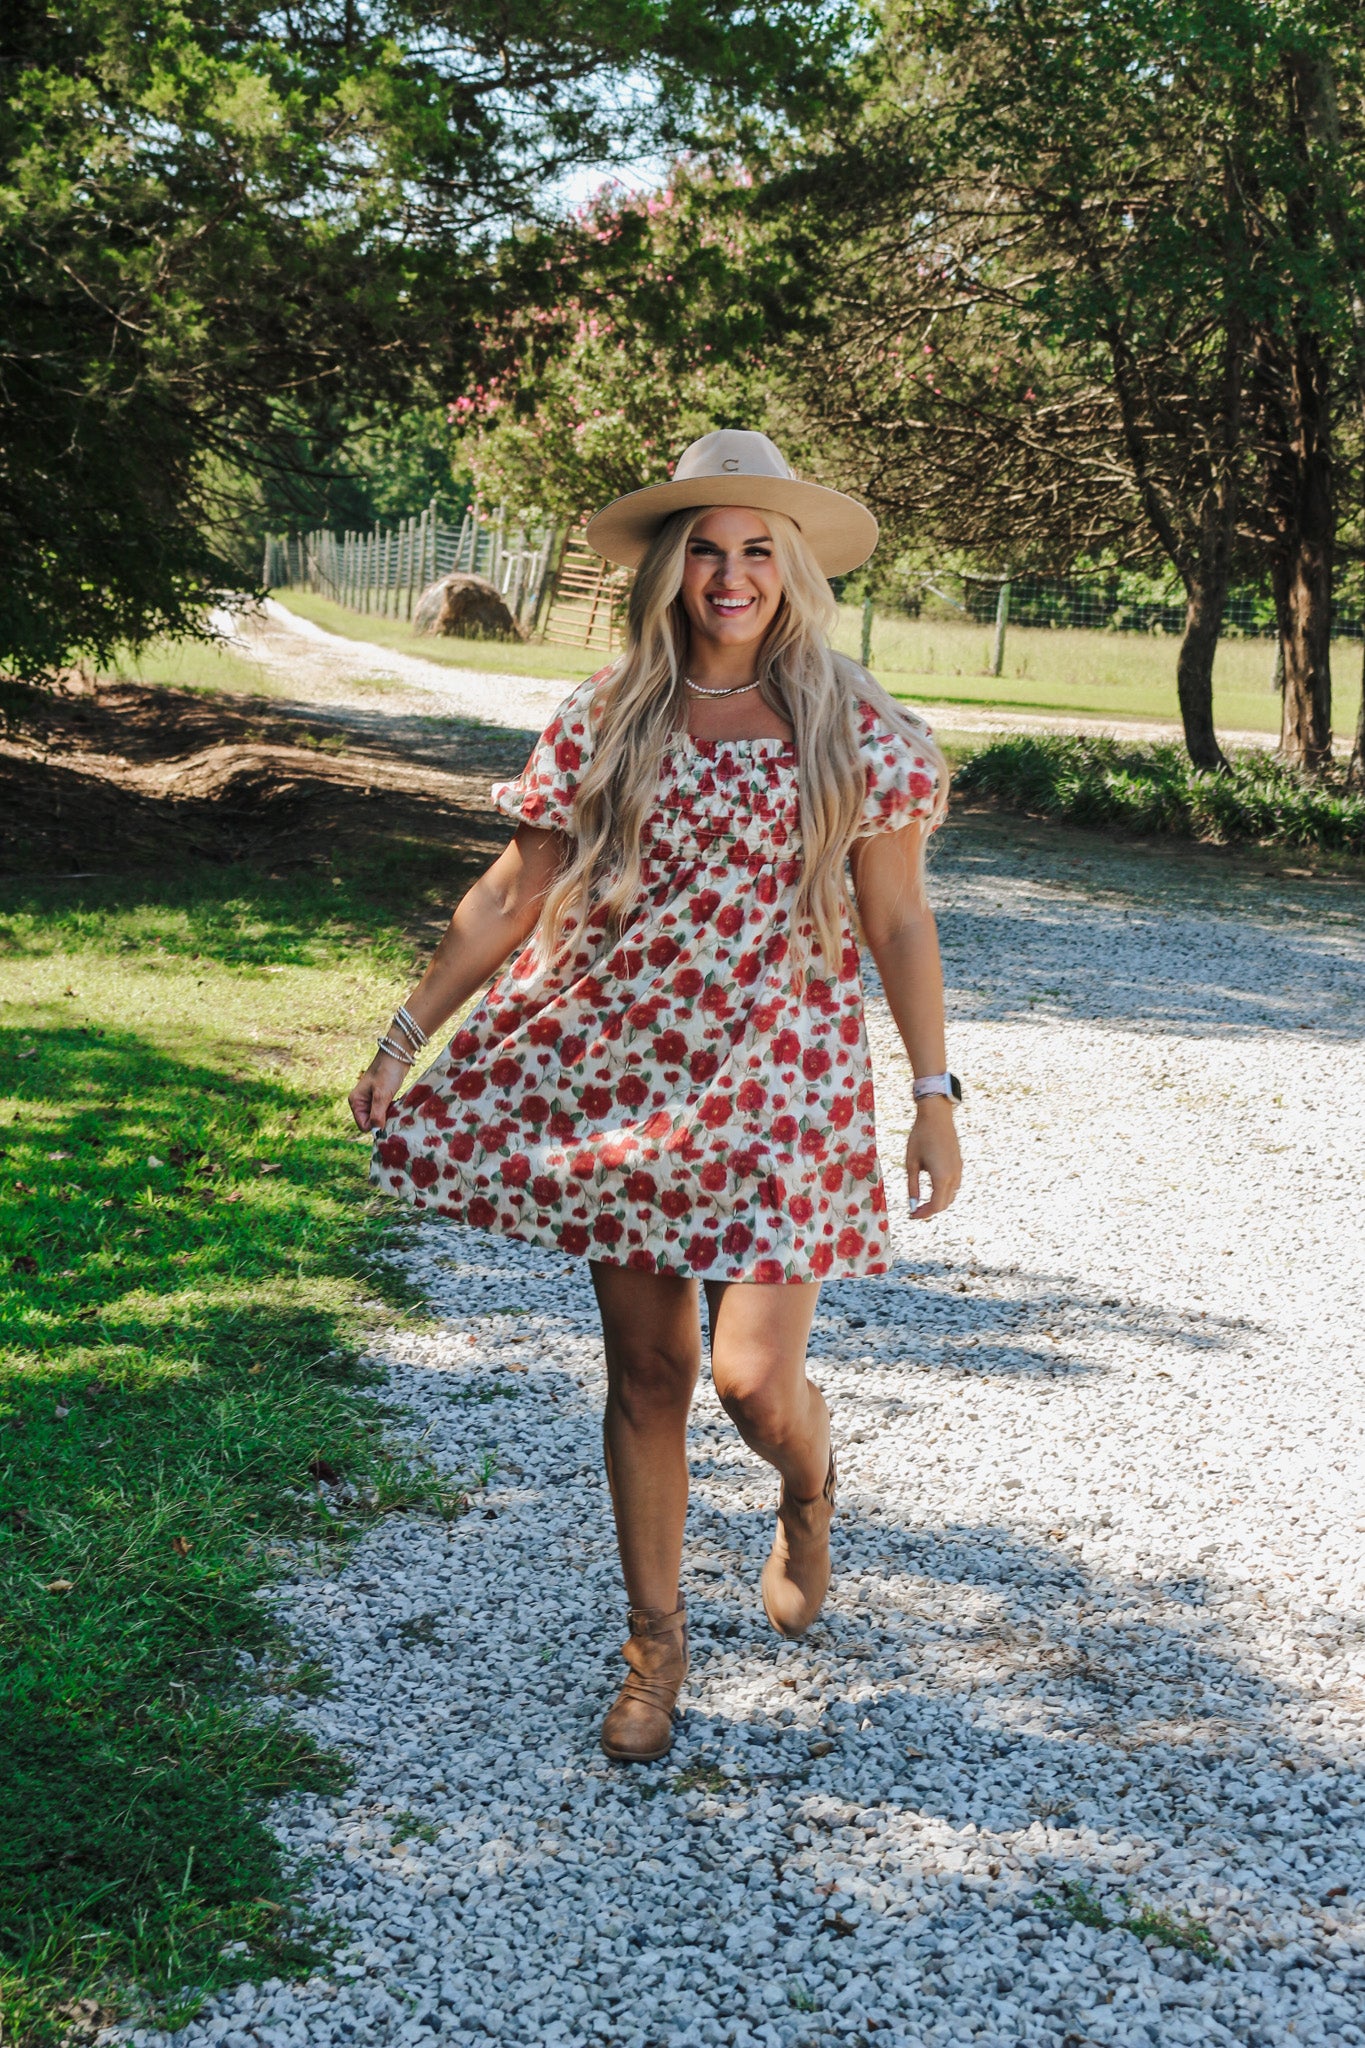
x: 373, y: 1094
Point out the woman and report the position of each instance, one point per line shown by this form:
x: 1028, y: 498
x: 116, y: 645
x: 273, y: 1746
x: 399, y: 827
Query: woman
x: 671, y: 1077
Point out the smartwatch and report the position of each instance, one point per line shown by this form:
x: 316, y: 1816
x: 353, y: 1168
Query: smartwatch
x: 938, y: 1084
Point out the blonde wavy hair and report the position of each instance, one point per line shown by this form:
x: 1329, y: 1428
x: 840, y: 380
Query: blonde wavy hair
x: 642, y: 705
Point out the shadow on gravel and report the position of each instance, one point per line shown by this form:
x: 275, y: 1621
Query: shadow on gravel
x: 1029, y: 1324
x: 1140, y: 940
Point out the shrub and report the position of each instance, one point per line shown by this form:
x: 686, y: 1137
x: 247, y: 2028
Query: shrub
x: 1124, y: 786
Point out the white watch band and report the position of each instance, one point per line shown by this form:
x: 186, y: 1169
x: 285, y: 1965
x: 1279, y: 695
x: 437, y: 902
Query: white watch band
x: 936, y: 1084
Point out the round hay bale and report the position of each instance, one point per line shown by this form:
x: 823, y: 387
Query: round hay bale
x: 469, y: 606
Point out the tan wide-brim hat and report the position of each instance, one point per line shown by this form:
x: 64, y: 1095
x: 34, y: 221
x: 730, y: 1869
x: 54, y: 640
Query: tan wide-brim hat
x: 732, y: 467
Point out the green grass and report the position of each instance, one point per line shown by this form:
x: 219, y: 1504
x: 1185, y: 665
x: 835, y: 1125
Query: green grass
x: 1129, y: 787
x: 941, y: 661
x: 183, y: 1285
x: 1146, y: 1923
x: 1093, y: 674
x: 503, y: 657
x: 206, y: 666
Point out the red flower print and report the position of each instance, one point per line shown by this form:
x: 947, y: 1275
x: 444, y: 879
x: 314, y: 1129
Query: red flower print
x: 675, y: 1203
x: 786, y: 1130
x: 715, y: 1002
x: 751, y: 1096
x: 670, y: 1048
x: 460, y: 1145
x: 393, y: 1152
x: 516, y: 1171
x: 572, y: 1050
x: 850, y: 1030
x: 607, y: 1230
x: 814, y: 1062
x: 849, y: 1242
x: 469, y: 1084
x: 505, y: 1073
x: 921, y: 786
x: 572, y: 1238
x: 643, y: 1016
x: 713, y: 1177
x: 743, y: 1164
x: 545, y: 1191
x: 841, y: 1112
x: 747, y: 969
x: 563, y: 1126
x: 582, y: 1166
x: 481, y: 1212
x: 641, y: 1187
x: 770, y: 1192
x: 703, y: 1066
x: 631, y: 1091
x: 730, y: 921
x: 643, y: 1262
x: 595, y: 1102
x: 786, y: 1049
x: 663, y: 950
x: 715, y: 1111
x: 490, y: 1137
x: 415, y: 1097
x: 764, y: 1015
x: 544, y: 1030
x: 821, y: 1259
x: 657, y: 1126
x: 736, y: 1238
x: 463, y: 1045
x: 765, y: 886
x: 866, y: 1099
x: 813, y: 1145
x: 701, y: 1252
x: 775, y: 950
x: 703, y: 906
x: 800, y: 1208
x: 568, y: 755
x: 769, y: 1273
x: 689, y: 984
x: 614, y: 1153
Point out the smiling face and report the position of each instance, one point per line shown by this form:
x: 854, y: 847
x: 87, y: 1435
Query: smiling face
x: 731, y: 586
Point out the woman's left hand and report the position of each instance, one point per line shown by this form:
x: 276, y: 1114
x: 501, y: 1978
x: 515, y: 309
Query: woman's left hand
x: 932, y: 1148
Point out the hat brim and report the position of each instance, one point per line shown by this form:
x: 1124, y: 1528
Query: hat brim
x: 839, y: 532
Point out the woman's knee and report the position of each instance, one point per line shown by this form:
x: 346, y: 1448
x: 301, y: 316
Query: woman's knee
x: 765, y: 1409
x: 651, y: 1380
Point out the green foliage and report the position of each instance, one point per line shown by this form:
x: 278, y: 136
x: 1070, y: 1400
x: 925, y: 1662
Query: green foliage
x: 1154, y: 789
x: 227, y: 234
x: 1148, y: 1923
x: 184, y: 1230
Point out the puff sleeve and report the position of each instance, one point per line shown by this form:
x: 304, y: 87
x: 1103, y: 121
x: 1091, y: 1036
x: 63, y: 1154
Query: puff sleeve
x: 543, y: 793
x: 902, y: 777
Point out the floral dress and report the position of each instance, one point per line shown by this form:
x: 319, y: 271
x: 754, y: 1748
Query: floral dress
x: 671, y: 1101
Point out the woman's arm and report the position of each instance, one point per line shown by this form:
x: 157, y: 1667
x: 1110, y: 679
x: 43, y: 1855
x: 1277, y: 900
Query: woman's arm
x: 903, y: 940
x: 496, y: 917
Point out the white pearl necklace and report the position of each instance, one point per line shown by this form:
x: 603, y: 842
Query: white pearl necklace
x: 740, y: 689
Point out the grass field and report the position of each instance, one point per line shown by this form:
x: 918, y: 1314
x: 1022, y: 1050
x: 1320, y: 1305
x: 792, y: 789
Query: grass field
x: 183, y: 1287
x: 198, y: 665
x: 1094, y: 674
x: 1123, y: 676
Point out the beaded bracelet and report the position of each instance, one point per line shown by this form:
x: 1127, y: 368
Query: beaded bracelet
x: 395, y: 1052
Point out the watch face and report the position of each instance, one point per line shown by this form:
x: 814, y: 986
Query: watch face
x: 956, y: 1087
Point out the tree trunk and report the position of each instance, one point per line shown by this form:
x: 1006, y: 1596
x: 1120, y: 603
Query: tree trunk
x: 1358, y: 750
x: 1205, y: 597
x: 1306, y: 610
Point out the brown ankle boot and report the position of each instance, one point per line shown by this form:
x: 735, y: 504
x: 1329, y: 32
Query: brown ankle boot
x: 796, y: 1577
x: 639, y: 1727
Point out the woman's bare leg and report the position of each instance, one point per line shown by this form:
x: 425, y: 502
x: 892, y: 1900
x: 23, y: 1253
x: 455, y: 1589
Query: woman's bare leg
x: 652, y: 1333
x: 758, y: 1363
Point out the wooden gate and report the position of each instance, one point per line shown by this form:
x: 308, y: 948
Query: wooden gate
x: 588, y: 592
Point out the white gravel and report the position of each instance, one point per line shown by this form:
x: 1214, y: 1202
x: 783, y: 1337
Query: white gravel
x: 1097, y: 1615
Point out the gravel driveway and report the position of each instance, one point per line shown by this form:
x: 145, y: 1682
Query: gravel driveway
x: 1095, y: 1650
